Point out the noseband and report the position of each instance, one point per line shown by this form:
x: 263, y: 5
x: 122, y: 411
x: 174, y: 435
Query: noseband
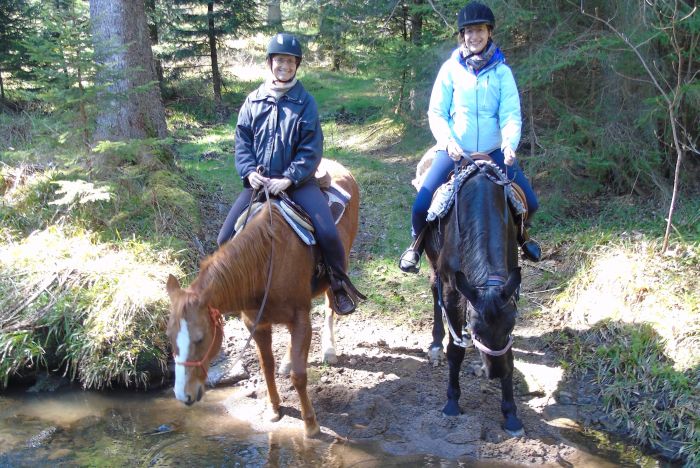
x: 463, y: 341
x: 217, y: 321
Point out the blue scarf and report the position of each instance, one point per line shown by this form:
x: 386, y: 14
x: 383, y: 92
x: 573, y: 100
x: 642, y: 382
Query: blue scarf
x: 477, y: 62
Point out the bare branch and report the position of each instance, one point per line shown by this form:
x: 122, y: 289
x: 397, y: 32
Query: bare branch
x: 447, y: 23
x: 632, y: 46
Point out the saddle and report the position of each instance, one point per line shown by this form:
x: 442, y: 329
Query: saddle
x: 297, y: 218
x: 445, y: 194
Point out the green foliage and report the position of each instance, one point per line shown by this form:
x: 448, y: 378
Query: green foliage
x: 61, y: 52
x: 98, y: 310
x: 651, y: 400
x: 13, y: 29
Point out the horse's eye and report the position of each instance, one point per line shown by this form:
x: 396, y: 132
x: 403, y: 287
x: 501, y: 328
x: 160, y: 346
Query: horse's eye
x: 198, y: 341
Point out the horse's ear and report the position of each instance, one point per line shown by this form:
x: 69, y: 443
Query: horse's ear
x: 467, y: 290
x: 173, y: 285
x: 512, y: 284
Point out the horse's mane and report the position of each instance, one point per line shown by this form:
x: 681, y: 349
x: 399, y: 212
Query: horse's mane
x: 237, y: 268
x: 476, y: 225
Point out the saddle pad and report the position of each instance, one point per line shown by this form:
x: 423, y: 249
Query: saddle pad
x: 336, y: 197
x: 445, y: 194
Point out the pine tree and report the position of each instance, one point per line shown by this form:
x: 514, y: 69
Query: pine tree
x: 201, y: 25
x: 14, y: 28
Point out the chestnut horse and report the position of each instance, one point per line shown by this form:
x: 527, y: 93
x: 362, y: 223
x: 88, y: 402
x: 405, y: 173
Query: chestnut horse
x: 473, y: 254
x: 233, y: 280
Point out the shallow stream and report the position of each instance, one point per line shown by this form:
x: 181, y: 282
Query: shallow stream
x: 70, y: 427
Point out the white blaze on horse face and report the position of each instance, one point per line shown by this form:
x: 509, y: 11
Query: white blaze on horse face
x: 183, y: 347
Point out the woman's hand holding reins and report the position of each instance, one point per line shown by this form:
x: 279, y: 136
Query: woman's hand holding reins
x: 454, y: 150
x: 257, y: 181
x: 276, y: 186
x: 508, y: 156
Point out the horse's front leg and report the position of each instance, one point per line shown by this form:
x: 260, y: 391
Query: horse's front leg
x: 455, y: 356
x: 328, y: 352
x: 435, y: 353
x: 512, y: 424
x: 300, y: 343
x: 263, y: 340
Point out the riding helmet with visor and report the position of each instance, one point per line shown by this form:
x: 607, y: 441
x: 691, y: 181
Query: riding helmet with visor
x: 475, y: 13
x: 284, y: 43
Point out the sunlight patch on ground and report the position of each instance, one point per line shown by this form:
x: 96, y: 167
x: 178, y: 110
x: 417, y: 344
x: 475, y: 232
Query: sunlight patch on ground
x: 631, y: 282
x: 539, y: 377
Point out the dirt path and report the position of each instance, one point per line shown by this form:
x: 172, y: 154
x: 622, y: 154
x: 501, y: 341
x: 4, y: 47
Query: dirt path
x: 383, y: 389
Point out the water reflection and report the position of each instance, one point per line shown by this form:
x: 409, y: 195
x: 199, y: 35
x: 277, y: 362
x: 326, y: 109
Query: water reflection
x: 82, y: 428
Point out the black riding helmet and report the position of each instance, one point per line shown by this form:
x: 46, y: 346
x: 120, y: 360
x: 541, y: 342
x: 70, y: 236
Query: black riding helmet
x: 475, y: 13
x: 284, y: 43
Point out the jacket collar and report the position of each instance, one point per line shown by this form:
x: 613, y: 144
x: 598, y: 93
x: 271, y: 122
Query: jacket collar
x: 297, y: 94
x: 497, y: 58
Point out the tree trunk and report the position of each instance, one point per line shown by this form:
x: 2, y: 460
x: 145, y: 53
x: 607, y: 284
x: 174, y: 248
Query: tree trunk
x: 2, y: 88
x: 153, y: 33
x: 130, y: 106
x: 215, y: 75
x: 274, y: 14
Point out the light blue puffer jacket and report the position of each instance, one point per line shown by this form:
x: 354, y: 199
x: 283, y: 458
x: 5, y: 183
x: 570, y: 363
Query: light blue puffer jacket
x: 480, y: 112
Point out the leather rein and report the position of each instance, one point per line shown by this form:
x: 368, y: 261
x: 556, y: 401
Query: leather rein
x: 217, y: 319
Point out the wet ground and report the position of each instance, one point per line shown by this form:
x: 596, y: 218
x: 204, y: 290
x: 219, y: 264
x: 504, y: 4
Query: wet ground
x: 378, y: 406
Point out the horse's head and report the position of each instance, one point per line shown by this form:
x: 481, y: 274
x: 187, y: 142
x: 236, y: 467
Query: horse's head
x: 492, y: 319
x: 195, y: 331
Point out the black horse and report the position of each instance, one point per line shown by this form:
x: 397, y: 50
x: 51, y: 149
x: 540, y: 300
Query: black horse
x: 473, y: 253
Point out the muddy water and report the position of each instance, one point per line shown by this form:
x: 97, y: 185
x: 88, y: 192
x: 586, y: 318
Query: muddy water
x: 77, y: 428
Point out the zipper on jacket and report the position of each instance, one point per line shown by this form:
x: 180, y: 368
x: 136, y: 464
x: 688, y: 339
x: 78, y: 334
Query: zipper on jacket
x: 476, y: 96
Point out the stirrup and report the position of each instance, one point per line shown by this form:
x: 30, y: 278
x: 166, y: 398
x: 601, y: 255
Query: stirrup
x: 531, y: 250
x: 410, y: 261
x: 343, y: 307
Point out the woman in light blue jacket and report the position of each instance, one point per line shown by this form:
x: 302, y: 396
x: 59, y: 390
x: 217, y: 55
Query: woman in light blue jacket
x: 474, y: 107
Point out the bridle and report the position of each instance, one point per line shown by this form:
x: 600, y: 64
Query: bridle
x: 217, y: 319
x: 463, y: 341
x: 217, y: 322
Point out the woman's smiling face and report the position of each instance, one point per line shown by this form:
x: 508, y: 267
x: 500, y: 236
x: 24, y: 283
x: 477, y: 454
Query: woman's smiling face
x: 476, y: 36
x: 284, y: 66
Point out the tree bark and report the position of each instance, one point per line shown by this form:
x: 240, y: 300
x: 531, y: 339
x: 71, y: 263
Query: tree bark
x: 2, y: 88
x: 130, y: 106
x: 215, y: 75
x: 274, y: 14
x: 153, y: 33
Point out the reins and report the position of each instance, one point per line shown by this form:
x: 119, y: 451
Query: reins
x: 465, y: 340
x: 215, y: 314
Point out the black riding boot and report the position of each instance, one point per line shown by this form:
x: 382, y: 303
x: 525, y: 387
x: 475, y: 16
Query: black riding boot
x: 409, y: 262
x: 342, y: 287
x: 530, y: 247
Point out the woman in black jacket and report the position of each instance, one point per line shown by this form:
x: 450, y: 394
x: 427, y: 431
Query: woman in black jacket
x: 279, y: 129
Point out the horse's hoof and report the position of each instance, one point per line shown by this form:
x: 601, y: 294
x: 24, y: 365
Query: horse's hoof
x: 513, y: 426
x: 284, y: 369
x: 435, y: 355
x: 329, y: 357
x: 312, y: 430
x: 451, y: 409
x: 273, y: 415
